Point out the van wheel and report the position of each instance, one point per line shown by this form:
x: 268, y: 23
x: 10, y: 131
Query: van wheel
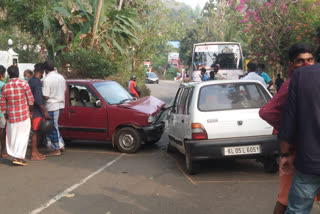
x: 271, y: 164
x: 191, y: 166
x: 170, y: 148
x: 127, y: 140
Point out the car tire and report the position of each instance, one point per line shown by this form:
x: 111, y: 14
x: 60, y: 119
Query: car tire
x: 271, y: 164
x: 170, y: 148
x: 127, y: 140
x: 191, y: 166
x: 158, y: 82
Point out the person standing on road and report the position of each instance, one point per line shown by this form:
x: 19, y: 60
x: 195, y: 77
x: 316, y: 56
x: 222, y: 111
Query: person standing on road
x: 279, y: 82
x: 204, y: 76
x: 16, y: 102
x: 272, y: 112
x: 252, y: 75
x: 39, y: 110
x: 300, y: 127
x: 54, y: 88
x: 218, y: 75
x: 27, y: 74
x: 133, y: 88
x: 3, y: 153
x: 264, y: 75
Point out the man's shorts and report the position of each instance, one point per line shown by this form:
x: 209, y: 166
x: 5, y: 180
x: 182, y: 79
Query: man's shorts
x: 35, y: 123
x: 2, y: 122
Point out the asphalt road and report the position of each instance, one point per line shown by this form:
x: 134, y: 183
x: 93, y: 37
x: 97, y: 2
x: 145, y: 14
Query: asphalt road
x: 93, y: 178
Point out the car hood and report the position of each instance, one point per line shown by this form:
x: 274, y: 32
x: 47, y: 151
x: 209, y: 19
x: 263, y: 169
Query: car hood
x: 148, y: 105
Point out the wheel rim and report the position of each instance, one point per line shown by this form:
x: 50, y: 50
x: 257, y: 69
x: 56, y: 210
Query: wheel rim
x: 126, y: 141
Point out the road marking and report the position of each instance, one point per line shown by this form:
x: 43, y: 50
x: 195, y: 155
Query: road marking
x: 70, y: 189
x: 181, y: 170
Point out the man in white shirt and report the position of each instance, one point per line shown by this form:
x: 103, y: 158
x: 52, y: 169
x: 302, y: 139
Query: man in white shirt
x: 54, y: 88
x: 252, y: 75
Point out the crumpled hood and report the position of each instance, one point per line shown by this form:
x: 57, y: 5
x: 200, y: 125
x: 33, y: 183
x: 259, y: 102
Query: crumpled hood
x: 148, y: 105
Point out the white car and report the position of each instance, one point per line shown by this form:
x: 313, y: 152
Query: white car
x: 151, y: 78
x: 220, y: 119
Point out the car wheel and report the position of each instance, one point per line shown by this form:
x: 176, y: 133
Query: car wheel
x: 191, y: 166
x: 127, y: 140
x: 271, y: 164
x: 170, y: 148
x: 158, y: 82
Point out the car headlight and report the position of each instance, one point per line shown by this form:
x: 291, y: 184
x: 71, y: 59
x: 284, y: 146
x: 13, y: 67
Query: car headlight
x: 151, y: 119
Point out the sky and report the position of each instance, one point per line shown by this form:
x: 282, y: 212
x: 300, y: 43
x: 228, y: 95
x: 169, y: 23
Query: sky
x: 194, y: 3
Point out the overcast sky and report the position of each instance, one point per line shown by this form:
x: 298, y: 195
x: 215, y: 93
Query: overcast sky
x: 194, y: 3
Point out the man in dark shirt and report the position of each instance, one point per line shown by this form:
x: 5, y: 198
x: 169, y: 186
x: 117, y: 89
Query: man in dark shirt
x: 39, y: 110
x: 279, y: 82
x: 301, y: 124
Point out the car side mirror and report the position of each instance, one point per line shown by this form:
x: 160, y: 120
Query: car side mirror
x: 135, y: 98
x: 98, y: 103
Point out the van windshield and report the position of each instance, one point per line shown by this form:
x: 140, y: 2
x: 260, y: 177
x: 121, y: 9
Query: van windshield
x: 232, y: 96
x: 227, y: 56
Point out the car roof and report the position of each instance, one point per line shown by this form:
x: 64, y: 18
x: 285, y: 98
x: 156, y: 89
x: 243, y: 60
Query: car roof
x: 216, y: 82
x: 90, y: 81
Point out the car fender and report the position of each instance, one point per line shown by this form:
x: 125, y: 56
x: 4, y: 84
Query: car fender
x: 121, y: 126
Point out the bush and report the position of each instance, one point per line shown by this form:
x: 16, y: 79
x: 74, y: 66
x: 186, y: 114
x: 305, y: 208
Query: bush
x: 86, y: 64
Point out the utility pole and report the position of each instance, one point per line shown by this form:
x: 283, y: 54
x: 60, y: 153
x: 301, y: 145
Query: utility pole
x: 96, y: 23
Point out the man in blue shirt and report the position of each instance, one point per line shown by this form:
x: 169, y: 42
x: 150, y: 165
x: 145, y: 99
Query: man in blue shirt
x: 204, y: 76
x: 264, y: 75
x: 300, y: 126
x: 39, y: 110
x: 2, y: 119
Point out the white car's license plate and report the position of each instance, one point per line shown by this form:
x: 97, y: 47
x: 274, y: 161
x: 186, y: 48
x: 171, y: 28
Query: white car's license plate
x: 242, y: 150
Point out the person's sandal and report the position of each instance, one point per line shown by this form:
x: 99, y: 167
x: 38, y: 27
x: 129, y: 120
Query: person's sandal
x: 19, y: 162
x: 62, y: 150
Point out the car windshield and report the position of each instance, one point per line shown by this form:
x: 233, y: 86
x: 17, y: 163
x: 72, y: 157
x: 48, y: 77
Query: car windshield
x: 232, y: 96
x: 112, y: 92
x: 152, y: 75
x: 227, y: 56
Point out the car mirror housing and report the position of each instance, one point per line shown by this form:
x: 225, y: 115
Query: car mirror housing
x: 98, y: 103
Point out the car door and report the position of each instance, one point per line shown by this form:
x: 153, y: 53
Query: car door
x: 172, y: 117
x: 83, y: 119
x: 182, y: 117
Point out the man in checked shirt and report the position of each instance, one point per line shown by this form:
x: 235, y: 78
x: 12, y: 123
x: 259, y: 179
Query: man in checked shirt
x: 16, y: 102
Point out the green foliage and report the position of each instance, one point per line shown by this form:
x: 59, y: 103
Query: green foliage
x: 171, y: 73
x: 87, y: 63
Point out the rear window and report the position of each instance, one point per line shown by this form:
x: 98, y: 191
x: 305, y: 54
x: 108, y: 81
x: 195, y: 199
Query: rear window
x: 232, y: 96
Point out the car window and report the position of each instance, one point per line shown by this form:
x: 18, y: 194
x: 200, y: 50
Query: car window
x: 182, y: 107
x: 177, y: 100
x: 152, y: 75
x: 112, y: 92
x: 232, y: 96
x: 189, y: 100
x: 80, y: 96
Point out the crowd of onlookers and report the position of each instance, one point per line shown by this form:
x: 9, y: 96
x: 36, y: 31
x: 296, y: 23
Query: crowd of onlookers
x: 31, y: 104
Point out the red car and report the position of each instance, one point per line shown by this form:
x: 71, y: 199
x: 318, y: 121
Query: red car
x: 104, y: 111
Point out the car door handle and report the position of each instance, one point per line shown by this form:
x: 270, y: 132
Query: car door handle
x: 72, y: 111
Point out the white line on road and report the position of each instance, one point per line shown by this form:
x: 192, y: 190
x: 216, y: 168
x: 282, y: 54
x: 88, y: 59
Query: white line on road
x: 70, y: 189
